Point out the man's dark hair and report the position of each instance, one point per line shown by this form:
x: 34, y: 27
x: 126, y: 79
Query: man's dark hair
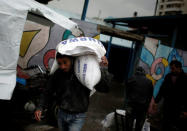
x: 58, y: 56
x: 43, y: 1
x: 140, y: 70
x: 177, y: 63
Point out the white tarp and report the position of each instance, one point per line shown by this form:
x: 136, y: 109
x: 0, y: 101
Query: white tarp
x: 13, y: 15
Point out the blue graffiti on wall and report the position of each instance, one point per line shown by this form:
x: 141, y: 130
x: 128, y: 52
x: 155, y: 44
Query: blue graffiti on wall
x: 166, y: 52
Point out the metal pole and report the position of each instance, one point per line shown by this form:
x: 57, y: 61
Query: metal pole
x: 84, y: 9
x: 174, y: 38
x: 156, y: 6
x: 128, y: 63
x: 109, y: 44
x: 131, y: 60
x: 109, y: 47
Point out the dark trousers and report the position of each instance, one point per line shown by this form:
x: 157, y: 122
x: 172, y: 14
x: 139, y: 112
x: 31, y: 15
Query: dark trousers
x: 169, y: 122
x: 133, y: 113
x: 172, y: 121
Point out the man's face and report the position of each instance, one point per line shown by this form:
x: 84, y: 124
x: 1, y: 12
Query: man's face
x: 64, y: 63
x: 174, y: 69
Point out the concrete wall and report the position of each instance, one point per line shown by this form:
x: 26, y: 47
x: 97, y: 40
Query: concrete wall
x: 39, y: 40
x: 171, y: 6
x: 155, y: 59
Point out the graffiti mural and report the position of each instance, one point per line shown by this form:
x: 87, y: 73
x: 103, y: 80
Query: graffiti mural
x: 39, y: 41
x: 155, y: 59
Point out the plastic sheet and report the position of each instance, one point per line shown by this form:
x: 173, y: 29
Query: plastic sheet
x: 13, y: 15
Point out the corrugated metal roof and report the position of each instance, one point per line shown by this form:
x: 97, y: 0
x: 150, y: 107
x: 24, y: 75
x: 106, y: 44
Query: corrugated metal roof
x: 149, y: 20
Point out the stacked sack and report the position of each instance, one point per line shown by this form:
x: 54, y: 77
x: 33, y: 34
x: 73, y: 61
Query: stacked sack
x: 88, y: 52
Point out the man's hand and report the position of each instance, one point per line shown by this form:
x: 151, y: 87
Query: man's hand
x: 155, y: 106
x: 104, y: 61
x: 184, y: 115
x: 38, y: 114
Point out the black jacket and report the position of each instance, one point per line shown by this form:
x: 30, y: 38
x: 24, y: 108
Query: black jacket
x: 68, y: 92
x: 139, y: 91
x: 174, y: 94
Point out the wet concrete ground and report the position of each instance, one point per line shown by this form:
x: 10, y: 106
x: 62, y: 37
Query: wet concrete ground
x: 103, y: 104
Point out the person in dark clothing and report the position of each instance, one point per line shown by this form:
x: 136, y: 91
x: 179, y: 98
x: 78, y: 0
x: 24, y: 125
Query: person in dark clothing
x: 173, y: 90
x: 71, y: 96
x: 139, y: 91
